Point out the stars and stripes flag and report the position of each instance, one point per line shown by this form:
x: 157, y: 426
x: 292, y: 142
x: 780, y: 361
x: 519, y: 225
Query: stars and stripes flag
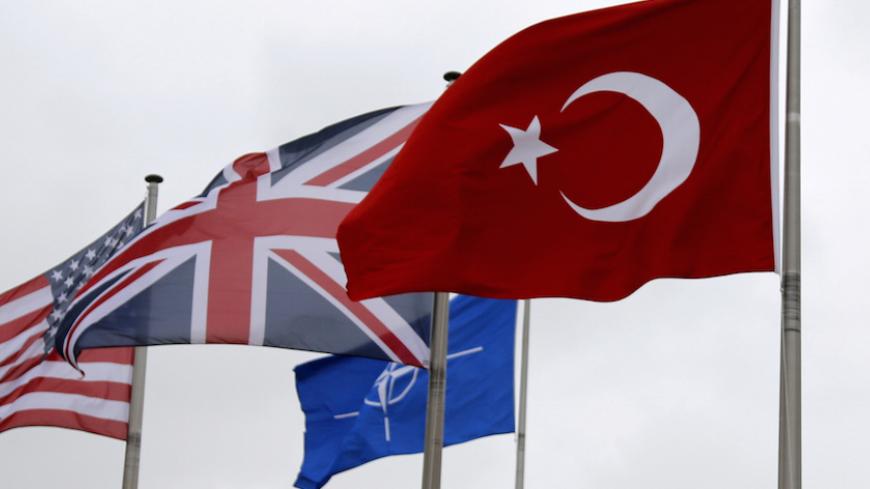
x: 253, y: 259
x: 37, y: 387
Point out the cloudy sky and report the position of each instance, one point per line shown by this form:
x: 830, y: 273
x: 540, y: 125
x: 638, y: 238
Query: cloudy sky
x: 676, y: 386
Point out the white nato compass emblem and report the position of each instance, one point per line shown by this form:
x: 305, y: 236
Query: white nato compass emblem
x: 394, y: 384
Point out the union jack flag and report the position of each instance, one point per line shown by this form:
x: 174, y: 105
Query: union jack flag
x: 253, y: 259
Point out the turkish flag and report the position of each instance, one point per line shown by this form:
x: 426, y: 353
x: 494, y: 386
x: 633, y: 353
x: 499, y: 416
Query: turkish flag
x: 584, y: 157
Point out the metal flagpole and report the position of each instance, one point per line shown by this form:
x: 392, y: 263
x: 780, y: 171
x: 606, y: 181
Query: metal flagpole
x: 524, y: 380
x: 137, y: 395
x: 790, y: 374
x: 434, y: 438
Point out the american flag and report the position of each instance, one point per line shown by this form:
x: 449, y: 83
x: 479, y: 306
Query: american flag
x: 253, y: 259
x: 38, y: 387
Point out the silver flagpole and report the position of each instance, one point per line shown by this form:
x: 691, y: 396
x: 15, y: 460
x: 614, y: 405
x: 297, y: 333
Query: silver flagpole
x: 790, y: 376
x: 137, y: 395
x: 524, y: 380
x: 434, y: 438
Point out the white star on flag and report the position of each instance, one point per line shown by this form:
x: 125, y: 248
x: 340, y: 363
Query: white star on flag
x: 90, y: 255
x: 56, y: 275
x: 528, y: 147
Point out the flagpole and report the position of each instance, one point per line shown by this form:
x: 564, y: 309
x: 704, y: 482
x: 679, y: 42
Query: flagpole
x: 790, y: 374
x: 433, y: 440
x: 434, y: 437
x: 137, y: 394
x: 524, y: 379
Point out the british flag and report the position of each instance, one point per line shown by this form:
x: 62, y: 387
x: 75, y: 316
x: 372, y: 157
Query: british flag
x: 253, y: 259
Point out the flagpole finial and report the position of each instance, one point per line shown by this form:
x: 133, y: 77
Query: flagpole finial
x: 452, y: 76
x: 153, y: 178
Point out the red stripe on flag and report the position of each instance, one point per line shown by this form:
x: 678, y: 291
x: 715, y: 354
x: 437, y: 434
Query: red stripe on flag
x: 28, y: 287
x: 185, y: 205
x: 15, y: 327
x: 364, y: 158
x: 122, y: 355
x: 386, y: 336
x: 113, y: 391
x: 21, y: 369
x: 11, y: 359
x: 65, y: 419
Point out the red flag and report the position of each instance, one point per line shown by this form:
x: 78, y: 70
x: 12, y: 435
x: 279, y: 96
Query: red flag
x: 583, y: 157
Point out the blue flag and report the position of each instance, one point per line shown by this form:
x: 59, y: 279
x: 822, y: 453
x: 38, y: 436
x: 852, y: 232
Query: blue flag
x: 358, y: 409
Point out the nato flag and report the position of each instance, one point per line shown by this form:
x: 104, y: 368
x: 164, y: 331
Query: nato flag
x: 358, y: 409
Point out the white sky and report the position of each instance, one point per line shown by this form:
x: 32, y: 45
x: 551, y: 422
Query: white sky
x: 676, y: 386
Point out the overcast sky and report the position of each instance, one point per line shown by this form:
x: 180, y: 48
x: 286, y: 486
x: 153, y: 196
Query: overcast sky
x: 675, y: 387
